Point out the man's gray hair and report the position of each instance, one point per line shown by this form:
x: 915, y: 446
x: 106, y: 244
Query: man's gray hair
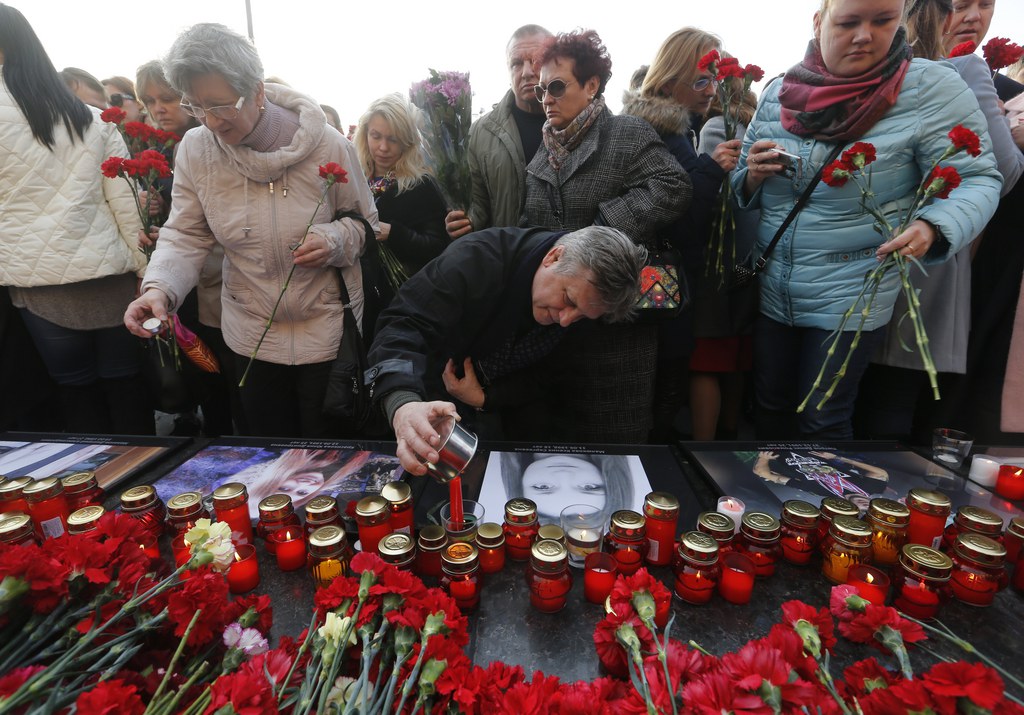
x: 212, y: 48
x: 527, y: 31
x: 614, y: 263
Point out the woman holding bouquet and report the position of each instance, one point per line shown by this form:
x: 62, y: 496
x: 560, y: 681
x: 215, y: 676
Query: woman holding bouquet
x: 597, y: 168
x: 410, y: 207
x: 250, y: 181
x: 67, y: 239
x: 858, y: 82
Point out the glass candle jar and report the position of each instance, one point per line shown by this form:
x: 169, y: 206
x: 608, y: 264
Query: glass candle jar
x: 759, y: 539
x: 231, y: 505
x: 322, y: 511
x: 276, y: 513
x: 661, y: 510
x: 548, y: 575
x: 1013, y: 540
x: 144, y: 505
x: 328, y: 555
x: 928, y: 512
x: 16, y: 529
x: 799, y: 531
x: 399, y: 497
x: 460, y: 567
x: 82, y: 489
x: 548, y: 531
x: 431, y: 541
x: 490, y: 542
x: 183, y: 511
x: 86, y: 519
x: 920, y: 581
x: 398, y: 549
x: 979, y: 569
x: 975, y: 520
x: 520, y: 528
x: 1018, y: 574
x: 848, y: 542
x: 47, y: 507
x: 374, y: 519
x: 696, y: 568
x: 626, y: 540
x: 718, y: 526
x: 831, y: 507
x: 888, y: 520
x: 12, y: 498
x: 1010, y: 482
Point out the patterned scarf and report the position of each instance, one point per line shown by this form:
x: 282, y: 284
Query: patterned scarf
x: 380, y: 185
x: 817, y: 104
x: 560, y: 142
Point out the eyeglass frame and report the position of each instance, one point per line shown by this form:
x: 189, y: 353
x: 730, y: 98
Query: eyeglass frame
x: 117, y: 99
x: 703, y: 83
x: 201, y: 112
x: 540, y: 91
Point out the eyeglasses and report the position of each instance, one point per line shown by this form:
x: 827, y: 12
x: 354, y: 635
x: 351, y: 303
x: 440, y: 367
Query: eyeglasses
x: 117, y: 99
x: 556, y: 88
x: 226, y: 111
x: 701, y: 83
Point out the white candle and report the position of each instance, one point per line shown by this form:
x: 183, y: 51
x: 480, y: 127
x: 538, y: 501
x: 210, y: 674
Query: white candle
x: 984, y: 471
x: 580, y: 542
x: 732, y: 507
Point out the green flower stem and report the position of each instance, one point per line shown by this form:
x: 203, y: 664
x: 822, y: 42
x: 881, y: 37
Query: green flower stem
x: 200, y: 703
x: 389, y: 690
x: 698, y: 647
x: 827, y: 682
x: 298, y: 656
x: 280, y: 297
x: 174, y: 662
x: 414, y: 677
x: 663, y: 657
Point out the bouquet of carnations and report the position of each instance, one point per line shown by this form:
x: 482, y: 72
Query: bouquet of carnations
x: 734, y: 81
x: 999, y: 52
x: 445, y: 98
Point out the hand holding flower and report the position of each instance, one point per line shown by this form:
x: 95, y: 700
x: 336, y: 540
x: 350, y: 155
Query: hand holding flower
x: 312, y: 253
x: 915, y: 242
x: 727, y: 154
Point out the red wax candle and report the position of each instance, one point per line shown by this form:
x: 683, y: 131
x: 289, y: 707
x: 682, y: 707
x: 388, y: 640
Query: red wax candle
x: 244, y: 574
x: 872, y: 584
x: 150, y: 548
x: 455, y: 497
x: 289, y: 548
x: 1010, y: 482
x: 916, y: 599
x: 182, y: 553
x: 695, y: 586
x: 464, y: 589
x: 928, y: 513
x: 599, y: 573
x: 797, y: 549
x: 737, y: 582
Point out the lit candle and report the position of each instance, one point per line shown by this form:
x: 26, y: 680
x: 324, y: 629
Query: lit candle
x: 872, y: 584
x: 599, y: 575
x: 580, y: 543
x: 984, y: 471
x: 737, y: 582
x: 150, y: 548
x: 1010, y: 482
x: 290, y: 549
x: 244, y: 574
x: 182, y: 553
x: 732, y: 507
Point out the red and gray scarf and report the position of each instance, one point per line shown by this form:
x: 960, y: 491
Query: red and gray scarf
x: 560, y: 142
x: 818, y: 104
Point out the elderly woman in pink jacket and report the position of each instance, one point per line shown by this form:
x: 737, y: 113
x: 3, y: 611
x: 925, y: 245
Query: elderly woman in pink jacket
x: 248, y: 179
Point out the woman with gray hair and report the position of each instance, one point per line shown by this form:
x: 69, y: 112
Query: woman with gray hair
x: 249, y: 181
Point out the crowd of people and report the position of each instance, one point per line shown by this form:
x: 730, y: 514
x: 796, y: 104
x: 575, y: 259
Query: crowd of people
x: 518, y: 312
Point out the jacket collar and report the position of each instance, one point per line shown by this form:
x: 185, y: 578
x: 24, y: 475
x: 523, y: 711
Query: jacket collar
x: 663, y: 113
x: 268, y: 166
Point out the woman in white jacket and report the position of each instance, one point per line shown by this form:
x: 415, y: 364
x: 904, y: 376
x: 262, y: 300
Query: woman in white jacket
x: 67, y: 238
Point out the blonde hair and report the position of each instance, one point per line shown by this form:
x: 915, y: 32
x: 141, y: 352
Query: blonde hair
x: 1016, y: 70
x: 676, y: 60
x: 403, y: 118
x: 924, y: 20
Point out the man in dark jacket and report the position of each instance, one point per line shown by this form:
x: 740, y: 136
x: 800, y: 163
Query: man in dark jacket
x: 492, y: 305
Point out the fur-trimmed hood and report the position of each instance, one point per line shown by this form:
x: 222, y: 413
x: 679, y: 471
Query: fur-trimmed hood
x: 663, y: 113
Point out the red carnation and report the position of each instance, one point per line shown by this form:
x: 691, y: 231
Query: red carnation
x: 138, y: 130
x: 867, y: 675
x: 113, y: 167
x: 859, y: 155
x: 974, y: 681
x: 963, y: 49
x: 1000, y: 52
x: 611, y: 653
x: 941, y: 181
x: 964, y: 138
x: 247, y: 693
x: 837, y: 173
x: 333, y: 173
x: 13, y: 680
x: 794, y: 612
x: 753, y: 73
x: 110, y: 696
x: 709, y: 62
x: 113, y: 115
x: 205, y: 590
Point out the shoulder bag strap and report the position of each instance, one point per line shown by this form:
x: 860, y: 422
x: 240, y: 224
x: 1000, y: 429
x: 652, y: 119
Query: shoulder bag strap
x: 371, y: 239
x: 762, y: 260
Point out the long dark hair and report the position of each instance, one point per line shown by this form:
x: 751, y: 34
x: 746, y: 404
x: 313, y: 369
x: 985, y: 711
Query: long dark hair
x: 34, y: 83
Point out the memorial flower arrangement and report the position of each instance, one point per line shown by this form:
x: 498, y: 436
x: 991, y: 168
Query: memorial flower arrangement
x: 734, y: 81
x: 90, y: 627
x: 332, y: 173
x: 854, y: 165
x: 445, y: 98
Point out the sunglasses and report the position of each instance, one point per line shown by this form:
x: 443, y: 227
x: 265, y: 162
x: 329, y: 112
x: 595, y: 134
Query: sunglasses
x: 117, y: 99
x: 556, y: 88
x: 225, y: 111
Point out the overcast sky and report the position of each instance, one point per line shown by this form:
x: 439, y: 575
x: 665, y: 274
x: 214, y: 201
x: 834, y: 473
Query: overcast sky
x: 348, y: 53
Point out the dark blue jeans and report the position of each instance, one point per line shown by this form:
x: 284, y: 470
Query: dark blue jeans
x: 786, y: 362
x: 84, y: 357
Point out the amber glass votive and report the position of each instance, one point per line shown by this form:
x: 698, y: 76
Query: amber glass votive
x: 831, y: 507
x: 888, y: 520
x: 848, y: 543
x: 871, y: 583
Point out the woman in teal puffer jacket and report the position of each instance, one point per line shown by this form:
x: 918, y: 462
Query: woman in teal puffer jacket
x: 856, y: 83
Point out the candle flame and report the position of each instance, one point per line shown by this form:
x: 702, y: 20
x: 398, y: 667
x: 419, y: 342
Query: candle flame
x: 869, y: 578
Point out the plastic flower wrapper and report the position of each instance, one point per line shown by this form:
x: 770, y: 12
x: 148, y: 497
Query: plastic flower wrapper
x: 210, y: 543
x: 445, y: 98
